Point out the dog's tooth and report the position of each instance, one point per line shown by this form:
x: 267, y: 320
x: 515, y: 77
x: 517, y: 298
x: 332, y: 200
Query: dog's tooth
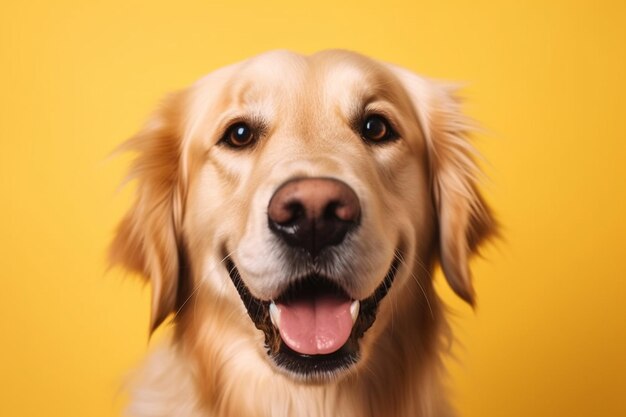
x: 274, y: 314
x: 354, y: 310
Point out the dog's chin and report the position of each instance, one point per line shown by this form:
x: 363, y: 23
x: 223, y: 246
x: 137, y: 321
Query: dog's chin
x: 307, y: 362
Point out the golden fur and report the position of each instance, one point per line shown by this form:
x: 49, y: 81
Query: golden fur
x: 198, y: 201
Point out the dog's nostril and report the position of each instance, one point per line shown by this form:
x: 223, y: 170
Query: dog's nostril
x: 296, y: 211
x: 313, y: 213
x: 285, y: 213
x: 330, y: 212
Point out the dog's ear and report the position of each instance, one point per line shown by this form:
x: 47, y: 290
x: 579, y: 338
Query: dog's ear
x: 465, y: 220
x: 147, y: 239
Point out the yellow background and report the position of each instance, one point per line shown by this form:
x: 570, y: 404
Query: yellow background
x: 545, y: 78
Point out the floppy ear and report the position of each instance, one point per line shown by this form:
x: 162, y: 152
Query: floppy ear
x: 465, y: 220
x: 147, y: 239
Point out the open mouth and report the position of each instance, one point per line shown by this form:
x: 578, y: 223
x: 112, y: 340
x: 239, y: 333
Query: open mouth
x: 313, y: 328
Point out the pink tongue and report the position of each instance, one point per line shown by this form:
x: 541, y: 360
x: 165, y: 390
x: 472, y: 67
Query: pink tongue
x: 315, y: 326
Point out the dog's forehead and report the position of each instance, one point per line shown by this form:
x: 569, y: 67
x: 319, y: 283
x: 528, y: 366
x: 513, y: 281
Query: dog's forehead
x: 286, y: 90
x: 286, y: 79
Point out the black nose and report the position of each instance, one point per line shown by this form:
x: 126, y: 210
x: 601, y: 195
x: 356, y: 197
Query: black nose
x: 313, y: 213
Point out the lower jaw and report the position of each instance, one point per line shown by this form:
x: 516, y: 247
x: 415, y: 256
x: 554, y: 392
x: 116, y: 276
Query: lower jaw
x: 317, y: 368
x: 313, y: 368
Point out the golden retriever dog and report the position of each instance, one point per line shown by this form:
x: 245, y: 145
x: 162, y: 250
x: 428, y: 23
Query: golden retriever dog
x: 290, y: 211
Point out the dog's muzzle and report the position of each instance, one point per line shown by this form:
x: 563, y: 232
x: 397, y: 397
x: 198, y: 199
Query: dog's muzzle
x: 312, y: 329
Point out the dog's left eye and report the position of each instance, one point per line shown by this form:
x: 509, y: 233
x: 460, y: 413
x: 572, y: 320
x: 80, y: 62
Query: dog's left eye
x: 238, y: 135
x: 377, y: 129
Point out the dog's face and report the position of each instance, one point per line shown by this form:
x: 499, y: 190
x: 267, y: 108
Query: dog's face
x: 307, y: 196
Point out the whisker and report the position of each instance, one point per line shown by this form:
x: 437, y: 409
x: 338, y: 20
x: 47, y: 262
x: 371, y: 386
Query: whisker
x: 199, y: 284
x: 412, y: 275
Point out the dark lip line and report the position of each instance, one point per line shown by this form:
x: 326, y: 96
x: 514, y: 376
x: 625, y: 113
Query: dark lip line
x: 258, y: 309
x: 251, y: 302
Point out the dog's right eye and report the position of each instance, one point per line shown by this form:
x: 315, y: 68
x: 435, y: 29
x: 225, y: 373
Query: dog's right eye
x: 238, y: 135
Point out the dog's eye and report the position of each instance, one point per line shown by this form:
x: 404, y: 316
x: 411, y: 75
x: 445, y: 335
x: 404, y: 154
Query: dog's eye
x: 377, y: 129
x: 238, y: 135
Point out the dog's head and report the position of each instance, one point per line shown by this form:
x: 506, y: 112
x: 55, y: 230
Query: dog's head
x: 307, y: 192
